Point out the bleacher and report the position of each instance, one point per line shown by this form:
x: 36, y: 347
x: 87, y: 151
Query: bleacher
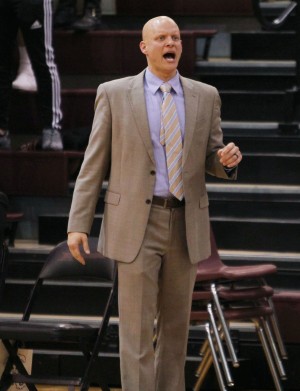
x: 255, y: 220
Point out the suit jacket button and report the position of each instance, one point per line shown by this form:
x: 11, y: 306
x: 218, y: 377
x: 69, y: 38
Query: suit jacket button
x: 148, y: 201
x: 152, y: 172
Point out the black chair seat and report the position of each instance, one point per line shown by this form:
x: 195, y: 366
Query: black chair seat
x: 37, y: 331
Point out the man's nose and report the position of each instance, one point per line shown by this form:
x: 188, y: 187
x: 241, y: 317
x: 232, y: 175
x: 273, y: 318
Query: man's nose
x: 170, y: 41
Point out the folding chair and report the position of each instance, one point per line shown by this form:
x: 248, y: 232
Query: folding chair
x: 80, y: 336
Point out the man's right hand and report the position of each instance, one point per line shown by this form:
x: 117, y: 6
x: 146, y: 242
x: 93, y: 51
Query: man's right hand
x: 75, y: 241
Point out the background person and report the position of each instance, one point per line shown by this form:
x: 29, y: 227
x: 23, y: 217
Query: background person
x: 34, y: 19
x: 25, y: 79
x: 66, y: 15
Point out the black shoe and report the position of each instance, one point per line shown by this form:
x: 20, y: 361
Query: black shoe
x: 64, y: 18
x: 5, y: 142
x: 90, y: 21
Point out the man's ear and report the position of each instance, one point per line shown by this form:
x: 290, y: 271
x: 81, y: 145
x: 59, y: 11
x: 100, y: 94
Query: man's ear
x: 143, y: 47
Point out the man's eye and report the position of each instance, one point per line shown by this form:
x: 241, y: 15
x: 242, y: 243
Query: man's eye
x: 176, y: 39
x: 161, y: 38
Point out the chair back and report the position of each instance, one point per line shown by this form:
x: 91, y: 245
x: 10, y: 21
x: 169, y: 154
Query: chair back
x: 214, y: 260
x: 60, y: 264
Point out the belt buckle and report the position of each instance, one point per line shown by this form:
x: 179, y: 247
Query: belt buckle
x: 165, y: 205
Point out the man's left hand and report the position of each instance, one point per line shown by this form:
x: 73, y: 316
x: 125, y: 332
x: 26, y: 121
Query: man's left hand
x: 230, y: 156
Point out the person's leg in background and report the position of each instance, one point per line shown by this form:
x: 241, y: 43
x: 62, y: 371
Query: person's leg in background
x: 91, y: 19
x: 36, y: 25
x: 8, y: 34
x: 65, y: 14
x: 25, y: 79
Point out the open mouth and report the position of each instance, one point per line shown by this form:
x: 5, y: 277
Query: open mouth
x: 169, y: 56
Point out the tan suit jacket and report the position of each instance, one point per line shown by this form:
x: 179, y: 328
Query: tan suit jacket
x: 120, y: 142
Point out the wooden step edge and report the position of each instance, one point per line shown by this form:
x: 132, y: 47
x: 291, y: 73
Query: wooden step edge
x: 235, y: 187
x: 260, y: 256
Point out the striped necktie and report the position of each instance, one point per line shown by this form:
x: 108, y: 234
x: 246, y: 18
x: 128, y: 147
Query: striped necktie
x: 170, y: 136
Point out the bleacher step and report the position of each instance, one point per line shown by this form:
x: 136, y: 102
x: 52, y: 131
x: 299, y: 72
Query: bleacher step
x: 251, y: 45
x: 253, y: 200
x: 53, y: 227
x: 257, y: 233
x: 244, y: 105
x: 263, y: 137
x: 77, y: 105
x: 247, y: 75
x: 267, y: 168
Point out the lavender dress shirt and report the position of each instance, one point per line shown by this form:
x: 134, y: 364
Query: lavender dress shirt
x: 153, y: 97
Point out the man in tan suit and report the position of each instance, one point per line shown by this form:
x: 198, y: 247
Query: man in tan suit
x: 156, y: 237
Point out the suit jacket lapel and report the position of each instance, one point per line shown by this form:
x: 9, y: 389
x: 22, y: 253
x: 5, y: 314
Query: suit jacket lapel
x: 137, y: 102
x: 191, y: 105
x: 136, y: 99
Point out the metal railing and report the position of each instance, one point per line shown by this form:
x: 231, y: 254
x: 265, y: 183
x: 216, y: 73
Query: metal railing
x: 278, y: 22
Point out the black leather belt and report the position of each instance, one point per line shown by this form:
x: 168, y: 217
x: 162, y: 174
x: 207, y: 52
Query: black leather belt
x: 167, y: 203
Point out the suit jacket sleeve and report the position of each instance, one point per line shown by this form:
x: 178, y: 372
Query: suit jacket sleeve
x: 94, y: 168
x: 215, y: 142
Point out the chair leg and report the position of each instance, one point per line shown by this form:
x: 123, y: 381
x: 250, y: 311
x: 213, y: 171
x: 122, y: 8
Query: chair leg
x: 276, y: 330
x: 219, y: 346
x: 227, y: 337
x: 205, y: 354
x: 6, y: 378
x: 275, y: 327
x: 209, y: 357
x: 203, y: 370
x: 15, y: 361
x: 5, y: 384
x: 204, y: 348
x: 215, y: 359
x: 278, y: 362
x: 268, y: 356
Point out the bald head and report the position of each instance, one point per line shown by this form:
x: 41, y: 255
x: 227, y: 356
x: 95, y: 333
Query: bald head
x: 154, y: 24
x: 162, y: 46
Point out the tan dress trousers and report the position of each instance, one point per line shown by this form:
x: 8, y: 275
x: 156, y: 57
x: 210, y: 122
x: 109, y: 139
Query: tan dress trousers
x: 157, y: 285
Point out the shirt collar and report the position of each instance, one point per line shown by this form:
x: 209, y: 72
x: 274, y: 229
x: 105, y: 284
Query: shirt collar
x: 154, y: 82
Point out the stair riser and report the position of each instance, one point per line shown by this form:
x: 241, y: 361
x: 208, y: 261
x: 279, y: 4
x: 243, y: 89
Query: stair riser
x: 263, y: 46
x: 263, y: 235
x: 53, y: 229
x: 277, y: 143
x: 235, y: 81
x: 243, y: 208
x: 267, y: 169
